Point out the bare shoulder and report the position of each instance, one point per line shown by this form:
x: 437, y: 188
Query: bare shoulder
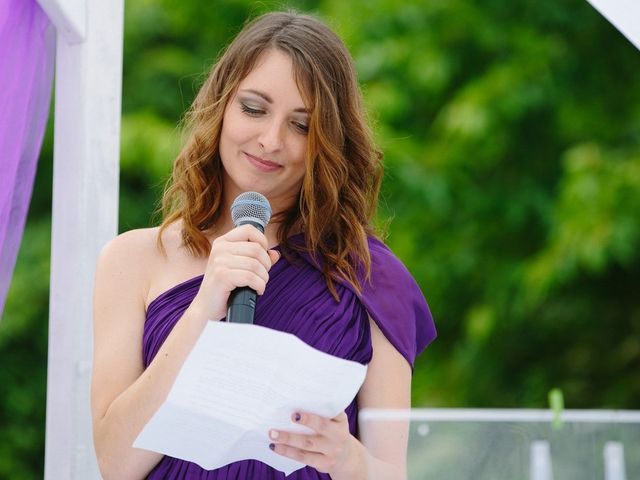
x: 128, y: 261
x: 135, y: 261
x: 131, y: 243
x: 131, y: 250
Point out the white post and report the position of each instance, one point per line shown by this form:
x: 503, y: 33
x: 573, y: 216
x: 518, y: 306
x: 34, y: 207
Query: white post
x: 540, y: 461
x: 85, y: 213
x: 614, y: 468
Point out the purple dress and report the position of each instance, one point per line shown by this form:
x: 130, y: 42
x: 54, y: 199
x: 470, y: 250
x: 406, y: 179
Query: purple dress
x: 297, y: 301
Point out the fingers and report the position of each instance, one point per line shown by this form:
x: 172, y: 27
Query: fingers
x: 331, y: 427
x: 314, y: 459
x: 301, y: 441
x: 274, y: 255
x: 246, y: 233
x: 240, y: 254
x: 238, y: 258
x: 231, y: 271
x: 327, y: 449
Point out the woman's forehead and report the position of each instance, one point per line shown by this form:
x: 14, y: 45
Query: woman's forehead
x: 274, y: 78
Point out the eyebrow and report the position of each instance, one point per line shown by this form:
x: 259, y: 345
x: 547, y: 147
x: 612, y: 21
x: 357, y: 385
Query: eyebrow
x: 268, y: 99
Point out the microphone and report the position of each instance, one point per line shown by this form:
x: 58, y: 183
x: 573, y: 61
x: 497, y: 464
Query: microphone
x: 250, y: 208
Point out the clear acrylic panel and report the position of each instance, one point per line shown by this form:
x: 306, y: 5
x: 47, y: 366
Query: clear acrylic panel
x: 461, y: 444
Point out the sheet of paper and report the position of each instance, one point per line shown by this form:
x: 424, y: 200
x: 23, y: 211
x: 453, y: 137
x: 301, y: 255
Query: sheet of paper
x: 238, y: 382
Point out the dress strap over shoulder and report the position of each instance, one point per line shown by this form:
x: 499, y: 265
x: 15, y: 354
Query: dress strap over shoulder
x: 394, y: 301
x: 397, y: 305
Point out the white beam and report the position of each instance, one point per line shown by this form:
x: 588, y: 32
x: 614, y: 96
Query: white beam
x: 69, y: 17
x: 84, y: 217
x: 623, y: 14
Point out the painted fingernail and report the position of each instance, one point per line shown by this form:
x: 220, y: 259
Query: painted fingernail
x: 273, y: 434
x: 296, y: 417
x: 272, y: 446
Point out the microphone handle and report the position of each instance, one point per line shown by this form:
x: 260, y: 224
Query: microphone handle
x: 242, y: 305
x: 242, y: 300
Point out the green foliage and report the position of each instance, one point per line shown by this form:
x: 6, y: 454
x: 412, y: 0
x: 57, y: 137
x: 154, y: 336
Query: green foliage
x: 511, y: 132
x: 23, y: 349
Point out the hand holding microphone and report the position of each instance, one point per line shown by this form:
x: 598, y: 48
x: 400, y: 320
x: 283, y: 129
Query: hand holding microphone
x: 249, y: 208
x: 238, y: 265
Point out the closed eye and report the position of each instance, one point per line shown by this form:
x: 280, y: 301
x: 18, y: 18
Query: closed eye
x: 301, y: 127
x: 254, y: 112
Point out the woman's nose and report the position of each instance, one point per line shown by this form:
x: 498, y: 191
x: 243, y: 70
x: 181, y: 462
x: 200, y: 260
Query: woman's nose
x: 271, y: 138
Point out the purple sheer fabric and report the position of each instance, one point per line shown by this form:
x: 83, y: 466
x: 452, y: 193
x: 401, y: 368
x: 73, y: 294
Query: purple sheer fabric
x: 26, y: 75
x: 297, y: 301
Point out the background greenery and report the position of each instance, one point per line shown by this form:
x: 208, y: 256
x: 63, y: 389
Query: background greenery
x: 512, y: 137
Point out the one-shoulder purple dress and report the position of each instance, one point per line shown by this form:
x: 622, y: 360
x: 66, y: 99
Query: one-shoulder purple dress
x: 297, y: 301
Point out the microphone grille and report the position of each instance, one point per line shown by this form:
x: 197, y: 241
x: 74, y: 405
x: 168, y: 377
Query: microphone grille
x: 251, y: 207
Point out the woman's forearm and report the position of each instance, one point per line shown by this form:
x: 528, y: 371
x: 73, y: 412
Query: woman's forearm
x: 364, y: 466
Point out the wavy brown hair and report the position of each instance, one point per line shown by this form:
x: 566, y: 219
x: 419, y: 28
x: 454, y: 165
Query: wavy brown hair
x: 338, y: 198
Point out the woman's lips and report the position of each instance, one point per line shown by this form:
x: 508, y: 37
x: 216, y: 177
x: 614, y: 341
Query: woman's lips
x: 263, y: 165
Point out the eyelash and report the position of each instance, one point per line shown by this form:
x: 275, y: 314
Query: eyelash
x: 254, y: 112
x: 302, y: 128
x: 250, y: 111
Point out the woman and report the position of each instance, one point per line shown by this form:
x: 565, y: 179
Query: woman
x: 281, y: 114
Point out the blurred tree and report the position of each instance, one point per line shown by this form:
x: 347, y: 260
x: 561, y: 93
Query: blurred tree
x: 511, y: 141
x: 511, y: 131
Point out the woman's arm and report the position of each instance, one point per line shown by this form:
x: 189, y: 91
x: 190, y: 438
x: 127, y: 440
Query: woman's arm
x: 124, y: 394
x: 387, y: 385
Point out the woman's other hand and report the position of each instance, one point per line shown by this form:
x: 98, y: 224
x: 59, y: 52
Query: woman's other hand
x: 331, y: 449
